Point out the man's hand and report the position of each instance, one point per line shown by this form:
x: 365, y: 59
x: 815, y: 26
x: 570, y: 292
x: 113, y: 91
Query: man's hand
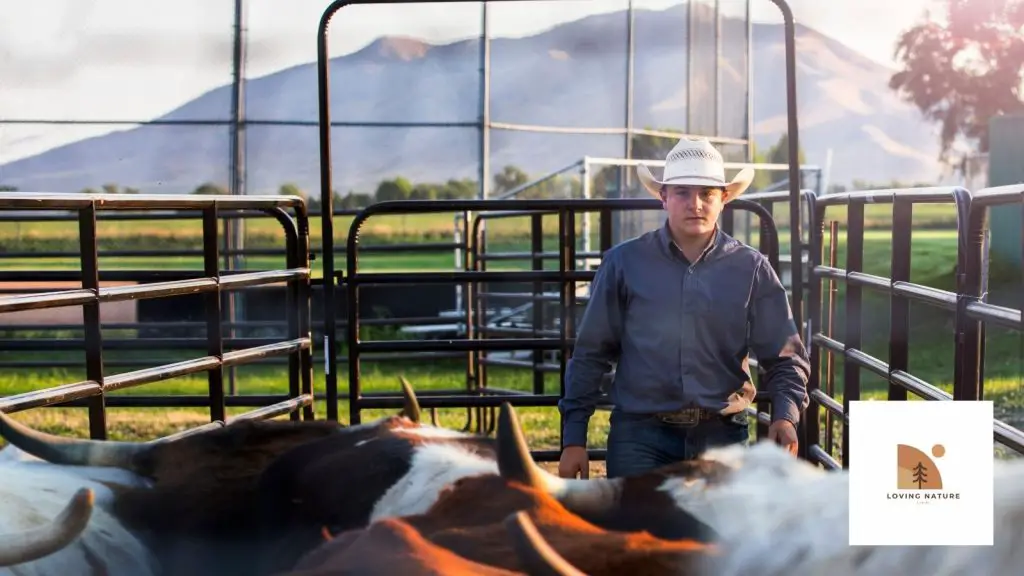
x: 574, y: 459
x: 783, y: 433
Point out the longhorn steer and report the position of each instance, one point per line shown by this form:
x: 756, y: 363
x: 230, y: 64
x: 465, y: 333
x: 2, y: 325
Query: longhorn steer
x: 196, y: 508
x: 470, y: 521
x: 668, y: 501
x: 777, y: 515
x: 401, y: 471
x: 79, y: 534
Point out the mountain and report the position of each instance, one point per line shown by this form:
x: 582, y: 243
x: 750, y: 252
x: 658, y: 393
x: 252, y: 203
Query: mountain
x: 570, y: 75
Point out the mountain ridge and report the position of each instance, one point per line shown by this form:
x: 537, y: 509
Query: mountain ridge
x: 571, y: 75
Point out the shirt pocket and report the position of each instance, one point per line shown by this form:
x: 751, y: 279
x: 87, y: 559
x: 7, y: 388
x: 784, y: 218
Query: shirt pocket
x: 723, y: 310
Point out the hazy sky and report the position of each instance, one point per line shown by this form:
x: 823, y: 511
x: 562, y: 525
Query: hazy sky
x: 136, y: 59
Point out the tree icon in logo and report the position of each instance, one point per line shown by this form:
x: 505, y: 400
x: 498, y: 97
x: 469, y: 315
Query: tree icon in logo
x: 915, y: 470
x: 920, y: 475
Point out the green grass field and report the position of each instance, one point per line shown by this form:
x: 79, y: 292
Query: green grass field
x: 933, y: 258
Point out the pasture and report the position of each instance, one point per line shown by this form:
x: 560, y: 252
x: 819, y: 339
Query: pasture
x: 931, y: 340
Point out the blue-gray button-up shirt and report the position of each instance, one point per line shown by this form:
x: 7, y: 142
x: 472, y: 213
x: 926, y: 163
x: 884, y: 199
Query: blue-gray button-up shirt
x: 680, y: 332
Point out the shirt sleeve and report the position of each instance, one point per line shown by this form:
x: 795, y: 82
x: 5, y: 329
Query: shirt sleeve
x: 597, y: 346
x: 777, y: 345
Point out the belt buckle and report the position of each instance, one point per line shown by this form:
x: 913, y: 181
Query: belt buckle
x: 687, y: 417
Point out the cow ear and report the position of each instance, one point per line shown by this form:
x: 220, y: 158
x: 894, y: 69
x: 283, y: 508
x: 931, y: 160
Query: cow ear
x: 411, y: 406
x: 325, y: 533
x: 514, y: 459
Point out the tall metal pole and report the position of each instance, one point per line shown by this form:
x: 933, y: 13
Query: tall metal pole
x: 718, y: 68
x: 485, y: 102
x: 234, y: 228
x: 792, y: 130
x: 750, y: 86
x: 624, y: 174
x: 749, y: 112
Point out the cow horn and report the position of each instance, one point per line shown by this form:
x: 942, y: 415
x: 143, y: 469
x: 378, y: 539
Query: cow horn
x: 534, y: 553
x: 29, y: 545
x: 514, y: 459
x: 411, y: 406
x: 72, y: 451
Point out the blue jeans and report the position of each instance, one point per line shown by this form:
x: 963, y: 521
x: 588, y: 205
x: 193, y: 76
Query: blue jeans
x: 639, y: 443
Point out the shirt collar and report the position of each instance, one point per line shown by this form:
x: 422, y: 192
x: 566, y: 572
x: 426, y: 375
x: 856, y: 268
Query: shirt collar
x: 669, y: 244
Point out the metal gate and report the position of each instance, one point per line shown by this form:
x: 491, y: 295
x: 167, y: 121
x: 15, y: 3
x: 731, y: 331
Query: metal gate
x: 566, y: 274
x: 92, y: 391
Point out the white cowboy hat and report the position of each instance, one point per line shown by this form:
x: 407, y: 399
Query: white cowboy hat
x: 695, y: 162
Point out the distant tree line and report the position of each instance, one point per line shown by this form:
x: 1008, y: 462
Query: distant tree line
x: 397, y: 188
x: 512, y: 177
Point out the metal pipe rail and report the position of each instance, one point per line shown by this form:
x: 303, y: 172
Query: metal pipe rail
x: 92, y: 391
x: 973, y: 313
x: 964, y: 303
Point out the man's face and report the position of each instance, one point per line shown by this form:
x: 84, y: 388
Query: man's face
x: 692, y: 210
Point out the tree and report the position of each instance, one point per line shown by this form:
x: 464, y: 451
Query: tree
x: 508, y: 179
x: 352, y: 201
x: 210, y: 188
x: 396, y: 189
x: 963, y: 68
x: 6, y: 188
x: 920, y: 474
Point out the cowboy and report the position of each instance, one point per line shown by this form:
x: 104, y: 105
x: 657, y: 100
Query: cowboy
x: 677, y: 309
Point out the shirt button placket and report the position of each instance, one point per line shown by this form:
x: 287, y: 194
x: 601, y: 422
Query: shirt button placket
x: 685, y: 332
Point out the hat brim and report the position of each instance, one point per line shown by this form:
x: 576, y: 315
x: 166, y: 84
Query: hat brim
x: 733, y: 189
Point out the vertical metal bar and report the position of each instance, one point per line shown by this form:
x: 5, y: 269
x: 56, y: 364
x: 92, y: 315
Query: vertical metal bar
x: 482, y: 304
x: 623, y: 172
x: 899, y: 306
x: 727, y: 219
x: 811, y: 421
x: 749, y: 109
x: 830, y: 358
x: 605, y: 233
x: 292, y: 313
x: 765, y: 242
x: 352, y: 339
x: 967, y: 372
x: 303, y: 308
x: 485, y: 175
x: 470, y: 304
x: 235, y: 227
x: 567, y: 299
x: 327, y: 213
x: 214, y: 328
x: 536, y: 248
x: 852, y: 338
x: 485, y: 102
x: 718, y: 70
x: 93, y: 332
x: 793, y: 132
x: 689, y: 65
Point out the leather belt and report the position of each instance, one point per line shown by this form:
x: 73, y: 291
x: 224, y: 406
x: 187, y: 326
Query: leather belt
x: 688, y: 416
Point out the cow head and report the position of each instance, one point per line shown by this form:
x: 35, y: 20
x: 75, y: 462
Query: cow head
x: 688, y: 499
x: 53, y: 536
x: 160, y: 459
